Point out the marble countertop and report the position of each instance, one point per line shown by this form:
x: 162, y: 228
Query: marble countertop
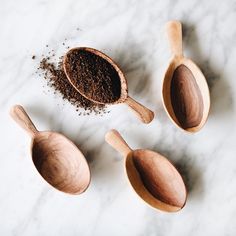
x: 132, y: 33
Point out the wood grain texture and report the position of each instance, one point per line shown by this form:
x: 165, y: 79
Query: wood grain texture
x: 160, y: 177
x: 152, y: 176
x: 56, y: 158
x: 114, y: 138
x: 174, y: 32
x: 60, y: 163
x: 142, y: 112
x: 18, y: 113
x: 185, y: 92
x: 186, y: 98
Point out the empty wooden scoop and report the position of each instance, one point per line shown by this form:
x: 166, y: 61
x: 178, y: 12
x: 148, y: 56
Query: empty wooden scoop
x: 151, y: 175
x: 56, y: 158
x: 144, y: 114
x: 185, y: 91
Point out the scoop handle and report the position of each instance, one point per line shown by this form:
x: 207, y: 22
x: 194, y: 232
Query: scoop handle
x: 143, y: 113
x: 20, y: 116
x: 174, y: 33
x: 114, y: 138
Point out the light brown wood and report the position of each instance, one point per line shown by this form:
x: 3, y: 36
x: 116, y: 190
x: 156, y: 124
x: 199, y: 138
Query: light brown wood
x: 151, y: 175
x: 174, y: 31
x: 56, y: 158
x: 143, y: 113
x: 185, y: 91
x: 21, y: 117
x: 114, y: 138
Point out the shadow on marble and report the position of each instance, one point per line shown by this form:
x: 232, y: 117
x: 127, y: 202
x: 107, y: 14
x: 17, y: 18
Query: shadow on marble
x: 131, y: 60
x: 192, y: 177
x: 221, y: 97
x: 39, y: 113
x: 52, y: 122
x: 105, y: 171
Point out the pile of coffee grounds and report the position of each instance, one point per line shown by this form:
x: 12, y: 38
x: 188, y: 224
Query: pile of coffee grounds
x: 56, y: 78
x: 93, y: 76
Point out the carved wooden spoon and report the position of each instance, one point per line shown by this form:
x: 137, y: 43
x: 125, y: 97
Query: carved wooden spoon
x: 56, y: 158
x: 185, y: 91
x: 143, y: 113
x: 151, y: 175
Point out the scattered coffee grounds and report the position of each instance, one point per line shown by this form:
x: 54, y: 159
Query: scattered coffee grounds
x: 33, y: 57
x: 56, y: 78
x: 94, y: 77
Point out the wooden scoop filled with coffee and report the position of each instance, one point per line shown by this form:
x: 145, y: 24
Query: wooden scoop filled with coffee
x: 94, y: 75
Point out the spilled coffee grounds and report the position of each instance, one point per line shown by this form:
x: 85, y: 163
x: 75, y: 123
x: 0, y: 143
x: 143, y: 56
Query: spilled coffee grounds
x: 93, y: 76
x: 56, y: 78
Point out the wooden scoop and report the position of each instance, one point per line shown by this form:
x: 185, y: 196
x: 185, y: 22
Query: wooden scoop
x: 151, y: 175
x: 185, y: 91
x: 56, y: 158
x: 143, y: 113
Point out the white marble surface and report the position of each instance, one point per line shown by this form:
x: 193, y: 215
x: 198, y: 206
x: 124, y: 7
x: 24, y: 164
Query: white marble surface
x: 131, y: 32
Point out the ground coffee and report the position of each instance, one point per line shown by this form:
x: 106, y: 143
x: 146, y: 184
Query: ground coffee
x: 93, y: 76
x: 56, y: 78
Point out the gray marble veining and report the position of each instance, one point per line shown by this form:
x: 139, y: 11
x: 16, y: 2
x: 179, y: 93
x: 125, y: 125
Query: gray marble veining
x: 132, y: 33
